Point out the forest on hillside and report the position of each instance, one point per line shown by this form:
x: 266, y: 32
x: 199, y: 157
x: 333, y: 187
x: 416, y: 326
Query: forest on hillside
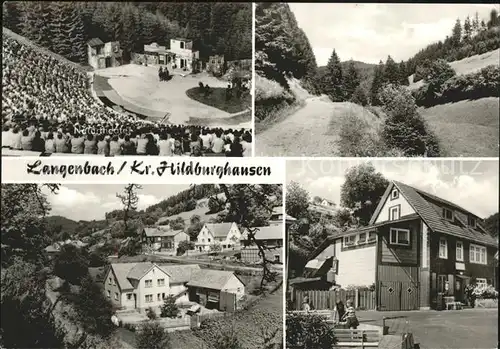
x: 65, y: 27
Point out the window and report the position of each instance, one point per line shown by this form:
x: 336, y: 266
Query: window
x: 394, y: 194
x: 163, y: 296
x: 110, y: 281
x: 372, y: 236
x: 238, y: 290
x: 400, y: 237
x: 149, y: 298
x: 481, y: 282
x: 361, y: 238
x: 158, y: 239
x: 472, y: 222
x: 208, y: 239
x: 182, y: 44
x: 447, y: 214
x: 477, y: 254
x: 109, y: 294
x: 129, y: 296
x: 443, y: 248
x: 460, y: 251
x: 116, y: 296
x: 148, y: 283
x: 349, y: 240
x: 277, y: 258
x: 394, y: 213
x: 161, y: 282
x: 158, y: 297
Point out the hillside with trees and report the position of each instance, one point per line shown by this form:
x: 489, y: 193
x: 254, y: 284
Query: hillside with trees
x: 364, y: 120
x: 65, y: 27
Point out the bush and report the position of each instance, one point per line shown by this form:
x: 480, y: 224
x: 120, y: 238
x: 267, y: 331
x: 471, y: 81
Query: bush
x: 270, y: 98
x: 357, y: 139
x: 404, y: 128
x: 484, y: 83
x: 360, y: 96
x: 308, y: 331
x: 151, y: 314
x: 214, y: 205
x: 71, y: 264
x: 152, y: 336
x: 228, y: 340
x: 169, y: 308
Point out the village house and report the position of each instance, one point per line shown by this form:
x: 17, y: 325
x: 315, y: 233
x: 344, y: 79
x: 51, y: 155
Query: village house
x: 103, y: 55
x: 136, y: 285
x: 162, y: 239
x: 54, y: 249
x: 278, y: 214
x: 217, y: 289
x: 227, y: 235
x: 416, y: 249
x: 271, y: 237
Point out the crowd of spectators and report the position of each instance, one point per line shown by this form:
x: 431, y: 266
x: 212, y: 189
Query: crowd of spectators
x: 47, y: 107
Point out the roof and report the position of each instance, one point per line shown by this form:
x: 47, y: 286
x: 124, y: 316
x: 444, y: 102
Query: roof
x: 95, y: 42
x: 212, y: 279
x: 182, y: 39
x: 126, y: 271
x: 158, y: 231
x: 272, y: 232
x: 180, y: 273
x: 420, y: 201
x: 219, y: 229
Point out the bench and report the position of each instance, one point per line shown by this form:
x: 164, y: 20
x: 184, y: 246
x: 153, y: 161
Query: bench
x: 357, y: 338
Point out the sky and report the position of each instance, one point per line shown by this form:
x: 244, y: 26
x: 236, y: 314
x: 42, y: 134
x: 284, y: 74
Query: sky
x: 92, y: 201
x: 471, y: 184
x: 371, y: 32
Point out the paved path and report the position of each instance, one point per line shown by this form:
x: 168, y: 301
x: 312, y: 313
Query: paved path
x: 455, y: 329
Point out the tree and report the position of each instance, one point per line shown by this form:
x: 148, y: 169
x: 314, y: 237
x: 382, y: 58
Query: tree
x: 494, y: 19
x: 404, y: 128
x: 362, y: 190
x: 475, y: 24
x: 378, y: 81
x: 77, y: 37
x: 297, y: 200
x: 438, y: 73
x: 467, y: 29
x: 456, y: 36
x: 214, y: 205
x: 71, y: 264
x: 190, y: 205
x: 343, y: 218
x: 403, y: 74
x: 391, y: 73
x: 351, y: 81
x: 491, y: 224
x: 129, y: 201
x: 332, y: 82
x: 26, y: 321
x: 93, y: 309
x: 152, y: 335
x: 308, y: 331
x: 169, y: 308
x: 184, y: 246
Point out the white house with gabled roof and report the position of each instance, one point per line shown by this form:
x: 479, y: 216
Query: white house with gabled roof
x: 228, y: 235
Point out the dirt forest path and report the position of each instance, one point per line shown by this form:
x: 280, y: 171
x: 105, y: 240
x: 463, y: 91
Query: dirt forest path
x: 307, y: 132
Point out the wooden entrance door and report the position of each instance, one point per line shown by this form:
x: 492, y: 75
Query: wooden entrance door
x: 390, y: 295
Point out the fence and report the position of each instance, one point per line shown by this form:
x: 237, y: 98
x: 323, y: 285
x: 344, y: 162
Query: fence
x: 363, y: 299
